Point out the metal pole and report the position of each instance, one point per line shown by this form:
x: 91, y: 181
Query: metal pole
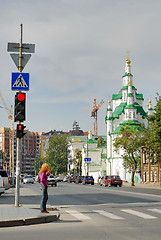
x: 17, y: 189
x: 87, y: 156
x: 20, y: 55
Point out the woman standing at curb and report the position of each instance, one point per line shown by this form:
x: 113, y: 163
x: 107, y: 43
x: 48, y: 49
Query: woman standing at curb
x: 44, y: 173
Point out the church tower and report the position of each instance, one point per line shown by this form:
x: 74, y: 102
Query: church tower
x: 127, y: 109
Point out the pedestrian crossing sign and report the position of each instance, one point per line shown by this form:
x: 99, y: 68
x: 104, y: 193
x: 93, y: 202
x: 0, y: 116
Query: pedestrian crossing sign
x: 20, y: 81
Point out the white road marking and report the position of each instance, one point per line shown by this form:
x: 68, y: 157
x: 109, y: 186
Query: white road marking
x: 139, y: 214
x: 155, y: 210
x: 107, y: 214
x: 78, y: 215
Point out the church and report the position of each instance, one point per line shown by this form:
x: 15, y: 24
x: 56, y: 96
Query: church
x: 127, y: 108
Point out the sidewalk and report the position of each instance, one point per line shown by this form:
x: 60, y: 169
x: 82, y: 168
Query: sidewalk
x: 25, y: 215
x: 143, y: 185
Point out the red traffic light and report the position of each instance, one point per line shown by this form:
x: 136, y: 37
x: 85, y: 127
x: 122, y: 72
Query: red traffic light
x: 20, y: 131
x: 19, y: 127
x: 20, y: 102
x: 21, y: 96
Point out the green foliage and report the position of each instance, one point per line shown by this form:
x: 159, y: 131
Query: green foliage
x: 153, y: 133
x: 38, y: 163
x: 101, y: 142
x: 57, y: 154
x: 130, y: 141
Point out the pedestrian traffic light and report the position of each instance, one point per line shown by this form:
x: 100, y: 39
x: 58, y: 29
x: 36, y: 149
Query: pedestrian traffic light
x: 20, y: 131
x: 20, y: 101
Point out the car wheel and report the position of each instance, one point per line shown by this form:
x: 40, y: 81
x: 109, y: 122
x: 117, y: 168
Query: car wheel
x: 120, y: 185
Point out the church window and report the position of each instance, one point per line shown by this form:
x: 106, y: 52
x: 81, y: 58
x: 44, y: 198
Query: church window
x: 124, y: 96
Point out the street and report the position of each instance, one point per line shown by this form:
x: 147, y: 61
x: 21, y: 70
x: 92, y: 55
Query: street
x: 91, y: 212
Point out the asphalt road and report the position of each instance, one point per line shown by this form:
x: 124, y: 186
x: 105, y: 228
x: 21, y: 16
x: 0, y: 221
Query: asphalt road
x: 91, y: 212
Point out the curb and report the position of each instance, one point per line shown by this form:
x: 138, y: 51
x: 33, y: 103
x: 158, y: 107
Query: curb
x: 29, y: 221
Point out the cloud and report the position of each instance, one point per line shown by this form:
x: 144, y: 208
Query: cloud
x: 80, y: 52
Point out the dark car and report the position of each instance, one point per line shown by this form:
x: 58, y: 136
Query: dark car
x: 114, y: 180
x: 79, y: 179
x: 52, y: 180
x: 88, y: 180
x: 71, y: 179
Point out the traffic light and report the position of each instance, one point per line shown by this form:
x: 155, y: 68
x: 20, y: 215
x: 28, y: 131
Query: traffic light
x: 20, y: 131
x: 20, y: 101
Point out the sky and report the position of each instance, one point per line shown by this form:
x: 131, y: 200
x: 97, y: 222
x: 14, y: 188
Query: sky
x: 80, y: 54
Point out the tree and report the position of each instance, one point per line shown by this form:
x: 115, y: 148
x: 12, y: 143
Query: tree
x: 57, y: 154
x: 38, y: 163
x: 129, y: 140
x: 153, y: 134
x: 78, y: 160
x: 101, y: 142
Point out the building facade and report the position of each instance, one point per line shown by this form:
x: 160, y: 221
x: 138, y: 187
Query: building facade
x: 151, y: 169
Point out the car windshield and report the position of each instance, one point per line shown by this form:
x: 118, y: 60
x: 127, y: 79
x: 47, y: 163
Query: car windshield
x: 51, y: 176
x: 115, y: 177
x: 28, y: 176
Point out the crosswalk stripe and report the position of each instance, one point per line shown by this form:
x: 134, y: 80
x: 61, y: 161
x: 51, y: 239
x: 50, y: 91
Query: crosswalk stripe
x: 139, y: 214
x: 78, y: 215
x: 107, y: 214
x: 155, y: 210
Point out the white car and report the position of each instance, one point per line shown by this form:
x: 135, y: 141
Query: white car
x: 28, y: 179
x: 2, y: 188
x: 4, y: 175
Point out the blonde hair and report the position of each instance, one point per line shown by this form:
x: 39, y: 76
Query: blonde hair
x: 44, y: 168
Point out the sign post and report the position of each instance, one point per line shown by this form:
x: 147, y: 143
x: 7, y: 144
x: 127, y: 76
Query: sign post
x: 20, y: 81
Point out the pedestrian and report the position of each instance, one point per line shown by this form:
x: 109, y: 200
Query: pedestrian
x: 44, y: 173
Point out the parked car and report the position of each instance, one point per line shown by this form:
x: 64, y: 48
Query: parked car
x: 66, y: 179
x: 28, y: 179
x: 79, y: 179
x: 2, y: 188
x: 100, y: 180
x: 114, y: 180
x: 52, y: 180
x: 4, y: 175
x: 71, y: 179
x: 88, y: 180
x: 103, y: 181
x: 60, y: 178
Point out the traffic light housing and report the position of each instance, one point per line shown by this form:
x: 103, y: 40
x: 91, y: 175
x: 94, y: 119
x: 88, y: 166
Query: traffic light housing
x: 20, y: 102
x: 20, y: 131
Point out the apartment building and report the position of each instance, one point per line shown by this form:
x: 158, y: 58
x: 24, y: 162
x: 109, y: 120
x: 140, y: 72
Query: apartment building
x: 30, y: 149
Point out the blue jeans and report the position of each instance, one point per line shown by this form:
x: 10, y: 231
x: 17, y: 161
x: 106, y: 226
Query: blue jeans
x: 44, y: 198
